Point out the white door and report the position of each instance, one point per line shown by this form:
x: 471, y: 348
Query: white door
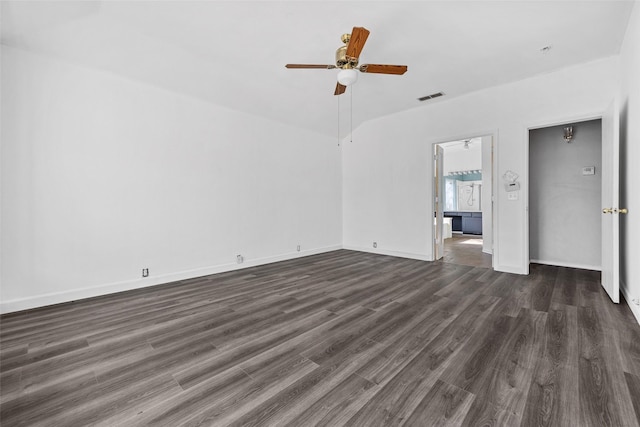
x: 438, y: 202
x: 610, y: 219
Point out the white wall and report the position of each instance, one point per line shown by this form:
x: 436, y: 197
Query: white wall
x: 564, y: 205
x: 102, y: 176
x: 387, y: 190
x: 629, y: 157
x: 387, y: 170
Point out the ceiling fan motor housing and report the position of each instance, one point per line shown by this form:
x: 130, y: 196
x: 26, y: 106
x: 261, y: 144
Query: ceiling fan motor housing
x: 343, y: 61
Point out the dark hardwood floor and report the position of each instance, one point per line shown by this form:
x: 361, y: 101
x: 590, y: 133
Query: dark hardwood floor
x: 342, y: 338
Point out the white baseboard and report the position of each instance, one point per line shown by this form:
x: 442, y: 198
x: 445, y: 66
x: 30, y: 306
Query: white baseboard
x: 510, y: 269
x: 567, y: 264
x: 400, y: 254
x: 635, y: 309
x: 110, y: 288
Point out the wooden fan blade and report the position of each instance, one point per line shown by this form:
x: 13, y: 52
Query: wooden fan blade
x: 383, y: 69
x: 339, y: 89
x: 356, y: 42
x: 328, y: 67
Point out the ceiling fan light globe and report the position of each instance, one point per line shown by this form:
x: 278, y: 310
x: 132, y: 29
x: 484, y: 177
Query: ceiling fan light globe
x: 347, y: 77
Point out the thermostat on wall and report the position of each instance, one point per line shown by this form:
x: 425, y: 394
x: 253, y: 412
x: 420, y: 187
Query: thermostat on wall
x: 589, y: 170
x: 512, y: 186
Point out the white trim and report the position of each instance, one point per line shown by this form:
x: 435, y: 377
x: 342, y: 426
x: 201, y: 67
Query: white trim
x: 635, y: 309
x: 495, y: 209
x: 524, y: 190
x: 400, y: 254
x: 567, y: 264
x: 110, y: 288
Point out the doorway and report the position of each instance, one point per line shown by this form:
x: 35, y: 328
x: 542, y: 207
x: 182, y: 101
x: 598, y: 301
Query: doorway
x: 565, y: 181
x: 609, y: 209
x: 463, y: 201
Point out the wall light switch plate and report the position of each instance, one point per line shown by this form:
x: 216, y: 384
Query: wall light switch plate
x: 513, y: 195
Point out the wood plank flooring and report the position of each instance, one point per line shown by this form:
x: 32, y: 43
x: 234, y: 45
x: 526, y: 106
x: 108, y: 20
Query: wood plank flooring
x: 341, y: 338
x: 465, y: 249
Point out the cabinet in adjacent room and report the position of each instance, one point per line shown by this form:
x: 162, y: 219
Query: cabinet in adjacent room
x: 465, y: 222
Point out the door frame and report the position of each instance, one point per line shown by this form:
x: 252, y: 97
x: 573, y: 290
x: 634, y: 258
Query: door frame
x: 525, y: 188
x: 438, y: 198
x: 495, y: 223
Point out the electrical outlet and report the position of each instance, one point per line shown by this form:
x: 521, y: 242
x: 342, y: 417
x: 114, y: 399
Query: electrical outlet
x: 145, y: 272
x: 240, y: 259
x: 375, y: 244
x: 298, y: 248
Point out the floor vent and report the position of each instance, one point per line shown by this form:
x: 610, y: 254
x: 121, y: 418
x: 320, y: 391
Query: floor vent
x: 433, y: 95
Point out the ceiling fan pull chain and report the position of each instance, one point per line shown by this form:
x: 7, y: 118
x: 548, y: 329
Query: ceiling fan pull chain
x: 338, y: 121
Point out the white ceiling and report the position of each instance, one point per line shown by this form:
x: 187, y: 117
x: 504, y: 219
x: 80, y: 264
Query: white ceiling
x: 233, y: 53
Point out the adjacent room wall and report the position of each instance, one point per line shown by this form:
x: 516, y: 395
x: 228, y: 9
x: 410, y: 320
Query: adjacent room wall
x: 564, y: 204
x: 629, y: 156
x: 457, y: 159
x: 387, y: 170
x: 103, y: 176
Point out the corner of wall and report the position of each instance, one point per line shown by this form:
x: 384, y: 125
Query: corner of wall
x: 635, y: 309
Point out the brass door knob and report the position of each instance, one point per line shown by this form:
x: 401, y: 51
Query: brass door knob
x: 607, y: 210
x: 623, y: 211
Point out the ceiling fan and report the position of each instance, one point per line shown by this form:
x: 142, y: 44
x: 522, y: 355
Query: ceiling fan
x: 347, y: 61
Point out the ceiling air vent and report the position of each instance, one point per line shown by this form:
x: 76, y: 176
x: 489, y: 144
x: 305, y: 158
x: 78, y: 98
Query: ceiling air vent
x: 433, y: 95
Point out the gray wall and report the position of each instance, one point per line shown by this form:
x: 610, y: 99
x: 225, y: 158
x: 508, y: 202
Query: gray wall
x: 564, y: 205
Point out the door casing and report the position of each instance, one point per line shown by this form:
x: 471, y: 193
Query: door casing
x: 494, y: 182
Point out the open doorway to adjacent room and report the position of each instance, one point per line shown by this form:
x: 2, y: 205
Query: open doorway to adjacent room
x: 565, y: 192
x: 463, y: 217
